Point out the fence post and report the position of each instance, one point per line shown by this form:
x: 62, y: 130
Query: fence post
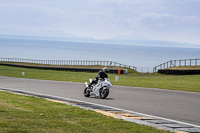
x: 196, y: 62
x: 170, y: 63
x: 154, y: 70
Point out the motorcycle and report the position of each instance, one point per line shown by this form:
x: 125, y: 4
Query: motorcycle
x: 101, y: 89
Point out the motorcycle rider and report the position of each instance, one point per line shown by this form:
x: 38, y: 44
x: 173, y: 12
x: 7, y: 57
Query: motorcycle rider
x: 102, y: 74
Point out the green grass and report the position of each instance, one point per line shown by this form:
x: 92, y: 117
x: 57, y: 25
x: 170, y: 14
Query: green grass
x: 183, y: 83
x: 21, y: 114
x: 171, y: 82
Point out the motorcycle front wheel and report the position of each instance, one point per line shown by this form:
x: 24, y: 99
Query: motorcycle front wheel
x: 104, y: 93
x: 86, y: 92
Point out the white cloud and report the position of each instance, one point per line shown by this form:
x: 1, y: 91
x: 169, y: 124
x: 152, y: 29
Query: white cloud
x: 159, y: 19
x: 166, y: 21
x: 167, y: 26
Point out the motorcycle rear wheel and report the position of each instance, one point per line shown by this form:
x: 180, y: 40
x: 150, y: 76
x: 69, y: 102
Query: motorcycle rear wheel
x: 86, y: 92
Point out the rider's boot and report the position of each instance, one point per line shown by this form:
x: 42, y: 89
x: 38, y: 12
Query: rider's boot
x: 90, y: 87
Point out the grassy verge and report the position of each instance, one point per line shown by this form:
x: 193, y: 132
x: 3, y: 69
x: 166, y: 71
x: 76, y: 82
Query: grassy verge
x: 30, y: 114
x: 183, y: 83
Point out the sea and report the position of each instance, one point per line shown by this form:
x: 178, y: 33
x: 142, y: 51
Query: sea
x: 134, y: 55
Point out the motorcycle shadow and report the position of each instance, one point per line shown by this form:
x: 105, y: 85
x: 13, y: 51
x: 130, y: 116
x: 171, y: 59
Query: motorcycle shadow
x: 102, y: 99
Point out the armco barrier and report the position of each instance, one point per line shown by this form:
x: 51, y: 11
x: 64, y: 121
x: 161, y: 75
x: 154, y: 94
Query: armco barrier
x: 77, y: 69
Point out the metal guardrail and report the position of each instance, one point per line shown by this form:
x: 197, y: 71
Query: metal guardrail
x: 175, y: 63
x: 68, y: 62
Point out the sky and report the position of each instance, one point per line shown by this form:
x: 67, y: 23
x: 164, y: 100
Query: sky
x: 167, y: 20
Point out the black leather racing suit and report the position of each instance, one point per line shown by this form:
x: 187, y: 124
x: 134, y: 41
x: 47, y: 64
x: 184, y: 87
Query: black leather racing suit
x: 101, y: 75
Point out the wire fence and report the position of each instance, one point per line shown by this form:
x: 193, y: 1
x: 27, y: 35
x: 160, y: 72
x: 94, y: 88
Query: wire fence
x: 175, y: 63
x: 145, y: 69
x: 171, y: 63
x: 68, y: 62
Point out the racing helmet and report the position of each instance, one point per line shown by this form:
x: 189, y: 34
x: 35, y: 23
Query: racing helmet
x: 105, y: 69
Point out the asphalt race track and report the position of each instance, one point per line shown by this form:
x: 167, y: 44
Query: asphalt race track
x: 175, y: 105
